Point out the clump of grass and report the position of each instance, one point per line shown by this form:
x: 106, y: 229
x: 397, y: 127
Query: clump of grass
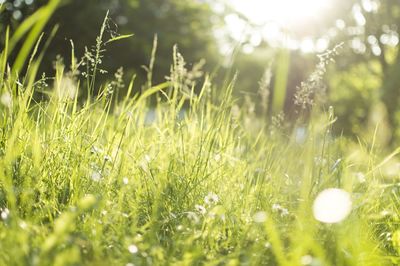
x: 97, y: 184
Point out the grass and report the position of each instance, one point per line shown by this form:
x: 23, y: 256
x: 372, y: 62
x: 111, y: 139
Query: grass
x: 96, y: 183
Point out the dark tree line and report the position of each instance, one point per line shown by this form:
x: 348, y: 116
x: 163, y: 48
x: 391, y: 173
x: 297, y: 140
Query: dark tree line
x: 186, y: 23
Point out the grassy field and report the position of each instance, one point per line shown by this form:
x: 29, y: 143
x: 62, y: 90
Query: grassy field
x: 205, y: 182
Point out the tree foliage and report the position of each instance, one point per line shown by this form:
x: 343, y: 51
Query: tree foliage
x: 366, y: 74
x: 189, y: 24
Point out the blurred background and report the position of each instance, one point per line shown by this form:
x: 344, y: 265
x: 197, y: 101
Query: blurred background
x: 272, y: 45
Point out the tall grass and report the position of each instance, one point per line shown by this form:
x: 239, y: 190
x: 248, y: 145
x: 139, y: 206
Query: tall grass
x: 96, y: 183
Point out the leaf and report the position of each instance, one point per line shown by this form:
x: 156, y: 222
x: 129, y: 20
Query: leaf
x: 3, y: 56
x: 38, y: 21
x: 119, y: 38
x: 151, y: 91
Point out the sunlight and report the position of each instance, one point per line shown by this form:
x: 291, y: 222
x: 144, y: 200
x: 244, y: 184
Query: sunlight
x: 332, y: 205
x: 275, y: 21
x: 285, y: 12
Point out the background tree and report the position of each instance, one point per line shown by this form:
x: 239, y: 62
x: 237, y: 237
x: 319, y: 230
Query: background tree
x: 366, y: 74
x: 362, y: 84
x: 187, y: 23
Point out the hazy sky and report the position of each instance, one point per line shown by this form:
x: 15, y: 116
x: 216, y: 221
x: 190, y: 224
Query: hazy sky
x: 270, y: 18
x: 287, y: 13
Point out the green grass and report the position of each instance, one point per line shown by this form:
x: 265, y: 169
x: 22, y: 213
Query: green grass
x: 96, y: 183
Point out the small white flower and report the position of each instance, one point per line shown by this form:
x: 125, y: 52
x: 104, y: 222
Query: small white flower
x: 96, y: 176
x: 200, y: 209
x: 125, y: 180
x: 107, y: 158
x: 6, y: 99
x: 133, y: 249
x: 4, y: 214
x: 23, y: 225
x: 276, y: 207
x: 332, y: 205
x: 284, y: 212
x: 211, y: 199
x: 260, y: 217
x: 281, y: 210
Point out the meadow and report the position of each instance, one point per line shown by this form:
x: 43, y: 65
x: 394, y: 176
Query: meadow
x: 206, y: 181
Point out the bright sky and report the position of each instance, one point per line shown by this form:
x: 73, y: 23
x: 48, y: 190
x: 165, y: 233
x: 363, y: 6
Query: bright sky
x: 273, y: 16
x: 285, y: 12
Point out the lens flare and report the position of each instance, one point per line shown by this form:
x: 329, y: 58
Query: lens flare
x: 282, y: 11
x: 332, y: 205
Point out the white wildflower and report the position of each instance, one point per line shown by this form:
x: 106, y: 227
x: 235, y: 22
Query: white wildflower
x: 211, y: 199
x: 260, y: 217
x: 5, y: 213
x: 6, y: 99
x: 279, y: 209
x: 200, y: 209
x: 96, y: 176
x: 23, y: 224
x: 133, y: 249
x: 107, y: 158
x: 276, y: 207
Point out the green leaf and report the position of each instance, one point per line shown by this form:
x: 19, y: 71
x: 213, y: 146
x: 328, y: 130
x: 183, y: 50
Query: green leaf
x: 119, y: 38
x: 38, y: 23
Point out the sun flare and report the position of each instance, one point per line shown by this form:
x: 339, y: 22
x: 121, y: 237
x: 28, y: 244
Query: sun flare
x: 284, y: 12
